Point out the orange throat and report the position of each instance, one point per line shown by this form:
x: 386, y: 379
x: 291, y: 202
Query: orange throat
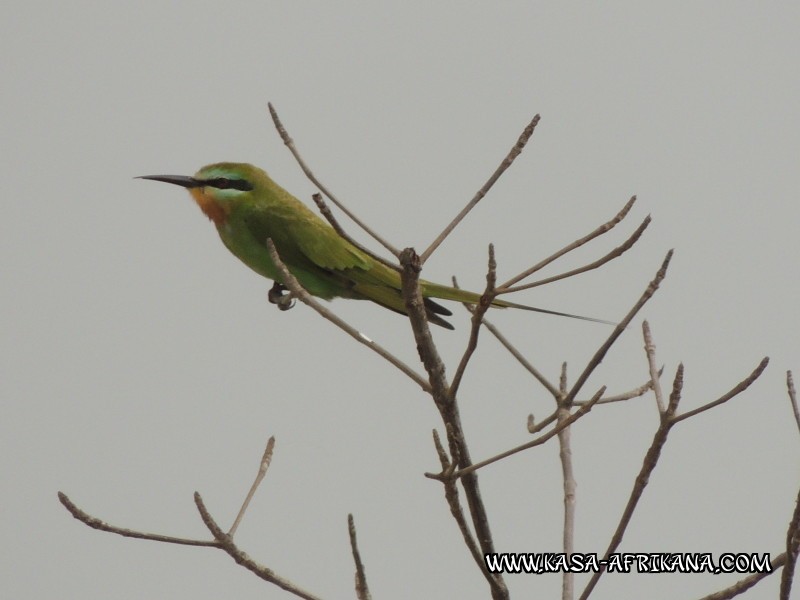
x: 211, y: 209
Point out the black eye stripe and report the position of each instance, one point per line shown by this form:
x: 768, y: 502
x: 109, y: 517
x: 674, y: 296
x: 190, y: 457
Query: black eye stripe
x: 223, y: 183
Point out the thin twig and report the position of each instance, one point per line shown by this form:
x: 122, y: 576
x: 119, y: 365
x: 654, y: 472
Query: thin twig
x: 478, y: 313
x: 615, y: 253
x: 601, y: 352
x: 96, y: 523
x: 655, y: 377
x: 792, y: 547
x: 266, y: 459
x: 745, y: 584
x: 629, y: 395
x: 534, y: 427
x: 454, y: 503
x: 604, y: 228
x: 513, y: 153
x: 642, y: 479
x: 738, y: 389
x: 301, y: 294
x: 362, y: 589
x: 225, y: 542
x: 569, y: 486
x: 793, y: 397
x: 532, y: 444
x: 290, y: 144
x: 520, y: 358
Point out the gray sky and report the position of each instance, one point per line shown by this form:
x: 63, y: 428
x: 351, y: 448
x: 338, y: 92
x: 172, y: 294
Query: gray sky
x: 141, y: 362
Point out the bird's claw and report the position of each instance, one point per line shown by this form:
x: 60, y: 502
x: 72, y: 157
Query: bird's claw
x: 278, y: 294
x: 286, y: 302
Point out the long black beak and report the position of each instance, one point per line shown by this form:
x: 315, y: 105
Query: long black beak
x: 181, y: 180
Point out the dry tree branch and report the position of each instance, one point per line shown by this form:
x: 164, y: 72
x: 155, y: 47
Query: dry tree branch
x: 584, y: 376
x: 289, y: 142
x: 615, y: 253
x: 519, y: 356
x: 512, y: 349
x: 222, y: 540
x: 362, y: 589
x: 642, y: 479
x: 301, y: 294
x: 532, y: 444
x: 601, y: 352
x: 737, y: 389
x: 793, y: 397
x: 655, y: 377
x: 100, y: 525
x: 454, y: 503
x: 534, y: 427
x: 478, y: 313
x: 604, y: 228
x: 792, y: 548
x: 266, y: 459
x: 745, y: 584
x: 569, y: 486
x: 629, y: 395
x: 225, y: 542
x: 447, y: 405
x: 667, y: 421
x: 513, y: 153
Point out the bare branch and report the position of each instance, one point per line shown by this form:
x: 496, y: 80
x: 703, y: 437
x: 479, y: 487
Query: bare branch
x: 792, y: 547
x: 515, y: 151
x: 655, y: 378
x: 604, y: 228
x: 569, y: 486
x: 520, y: 358
x: 615, y: 253
x: 290, y: 144
x: 454, y: 503
x: 534, y: 427
x: 301, y: 294
x: 362, y: 589
x: 225, y: 542
x: 629, y: 395
x: 533, y: 443
x: 793, y: 397
x: 447, y: 405
x: 745, y: 584
x: 739, y: 388
x: 266, y: 459
x: 642, y: 479
x: 96, y: 523
x: 478, y: 313
x: 601, y: 352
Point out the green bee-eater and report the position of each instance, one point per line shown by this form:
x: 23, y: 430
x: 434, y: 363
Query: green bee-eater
x: 248, y: 208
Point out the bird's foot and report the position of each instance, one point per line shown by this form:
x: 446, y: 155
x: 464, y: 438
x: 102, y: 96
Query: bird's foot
x: 278, y: 294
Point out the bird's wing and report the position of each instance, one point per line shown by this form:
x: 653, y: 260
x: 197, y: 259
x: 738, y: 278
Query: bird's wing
x: 325, y: 248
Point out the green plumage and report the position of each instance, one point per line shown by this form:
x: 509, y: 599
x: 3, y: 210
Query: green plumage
x: 248, y: 208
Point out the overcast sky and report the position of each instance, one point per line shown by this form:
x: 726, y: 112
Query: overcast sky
x: 142, y: 362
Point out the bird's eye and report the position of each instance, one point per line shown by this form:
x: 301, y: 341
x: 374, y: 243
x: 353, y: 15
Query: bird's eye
x: 223, y: 183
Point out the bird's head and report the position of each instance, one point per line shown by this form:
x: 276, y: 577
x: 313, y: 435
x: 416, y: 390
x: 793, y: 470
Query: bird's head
x: 218, y: 188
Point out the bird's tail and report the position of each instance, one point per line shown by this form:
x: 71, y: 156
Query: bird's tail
x: 443, y: 292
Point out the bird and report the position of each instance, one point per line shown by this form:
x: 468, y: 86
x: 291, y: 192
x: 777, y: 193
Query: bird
x: 247, y: 208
